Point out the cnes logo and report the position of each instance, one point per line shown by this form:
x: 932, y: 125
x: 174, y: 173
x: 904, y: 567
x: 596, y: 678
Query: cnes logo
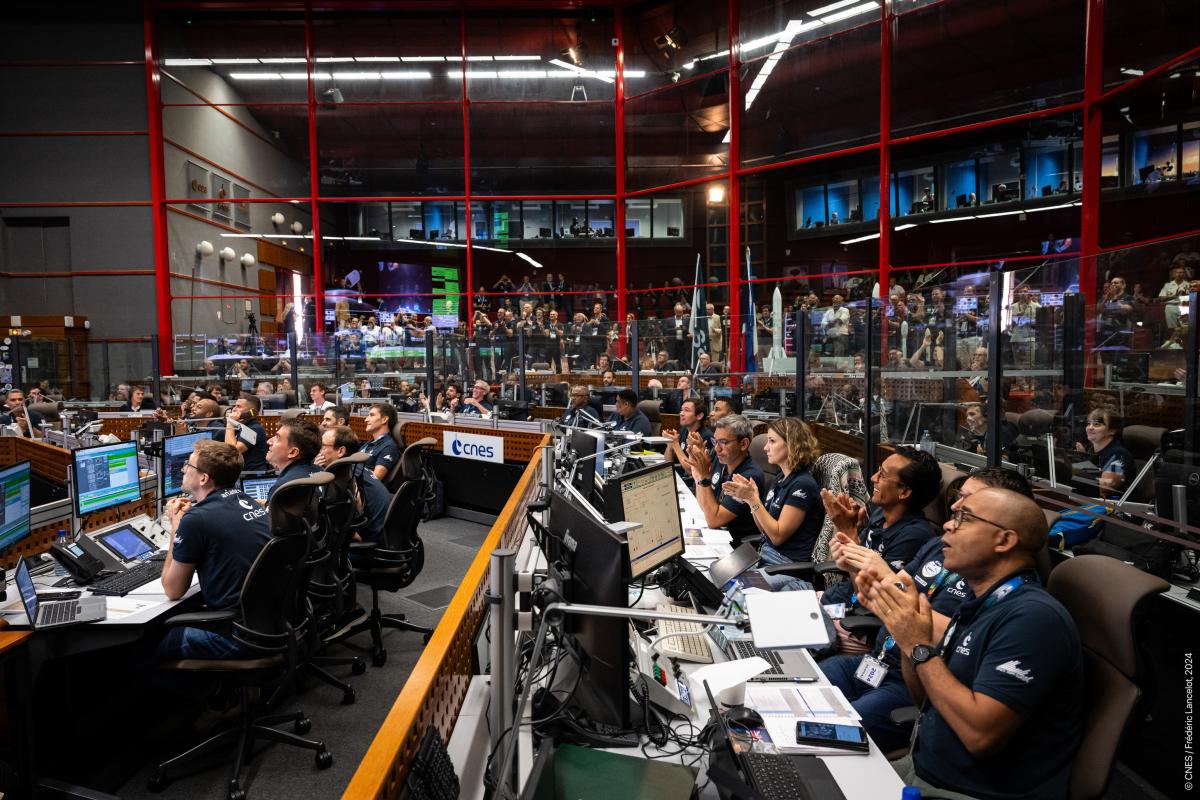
x: 473, y: 446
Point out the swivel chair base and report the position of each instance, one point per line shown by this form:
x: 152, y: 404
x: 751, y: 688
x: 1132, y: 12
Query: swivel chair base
x: 249, y: 730
x: 377, y: 622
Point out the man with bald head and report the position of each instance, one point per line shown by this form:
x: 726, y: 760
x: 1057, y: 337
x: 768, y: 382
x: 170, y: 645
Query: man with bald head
x: 1001, y: 690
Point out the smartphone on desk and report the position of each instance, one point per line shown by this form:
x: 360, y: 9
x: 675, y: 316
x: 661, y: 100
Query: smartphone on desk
x: 828, y: 734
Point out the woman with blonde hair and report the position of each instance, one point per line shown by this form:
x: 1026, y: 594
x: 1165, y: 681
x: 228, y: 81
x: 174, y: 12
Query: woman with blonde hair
x: 791, y: 515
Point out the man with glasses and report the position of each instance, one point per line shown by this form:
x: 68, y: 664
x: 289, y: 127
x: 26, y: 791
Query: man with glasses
x: 477, y: 404
x: 873, y: 682
x: 731, y: 443
x: 578, y: 415
x: 1001, y: 689
x: 896, y: 527
x: 217, y: 534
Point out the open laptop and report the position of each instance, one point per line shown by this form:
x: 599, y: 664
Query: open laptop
x: 258, y: 488
x: 60, y: 612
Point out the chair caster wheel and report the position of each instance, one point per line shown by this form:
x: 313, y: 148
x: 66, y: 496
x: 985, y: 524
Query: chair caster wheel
x: 379, y: 657
x: 236, y: 793
x: 158, y: 781
x: 302, y: 726
x: 358, y: 667
x: 426, y: 637
x: 324, y: 759
x: 348, y: 697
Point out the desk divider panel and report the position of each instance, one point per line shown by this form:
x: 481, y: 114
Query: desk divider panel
x: 518, y: 445
x: 437, y: 687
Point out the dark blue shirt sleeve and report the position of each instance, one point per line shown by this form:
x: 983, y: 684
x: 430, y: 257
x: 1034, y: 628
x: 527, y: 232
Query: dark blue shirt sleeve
x: 189, y: 544
x: 900, y: 551
x: 1025, y: 658
x: 802, y: 494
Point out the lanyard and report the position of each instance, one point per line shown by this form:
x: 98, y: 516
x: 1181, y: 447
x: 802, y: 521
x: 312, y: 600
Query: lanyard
x: 943, y: 578
x: 1000, y: 593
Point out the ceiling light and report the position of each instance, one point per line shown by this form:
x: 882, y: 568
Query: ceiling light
x: 365, y: 59
x: 256, y: 76
x: 673, y: 39
x: 413, y: 75
x: 577, y: 70
x: 861, y: 239
x: 823, y: 10
x: 532, y: 263
x: 421, y: 58
x: 905, y: 226
x: 355, y: 76
x: 716, y: 194
x: 1000, y: 214
x: 517, y: 58
x: 1132, y: 71
x: 204, y: 248
x: 186, y: 62
x: 331, y: 96
x: 521, y: 74
x: 479, y: 58
x: 235, y: 61
x: 850, y: 12
x: 573, y: 54
x: 282, y: 60
x: 950, y: 219
x: 333, y: 59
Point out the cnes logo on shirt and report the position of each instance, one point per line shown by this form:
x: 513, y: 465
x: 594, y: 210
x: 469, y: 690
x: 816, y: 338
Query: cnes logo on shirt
x: 1013, y: 668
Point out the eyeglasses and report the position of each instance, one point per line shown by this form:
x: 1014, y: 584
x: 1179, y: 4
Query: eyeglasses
x: 883, y: 476
x: 723, y: 442
x: 961, y: 514
x: 188, y: 464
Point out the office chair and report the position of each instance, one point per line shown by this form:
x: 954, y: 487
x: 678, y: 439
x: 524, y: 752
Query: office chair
x: 271, y: 626
x: 331, y: 586
x: 650, y: 409
x: 410, y: 465
x: 390, y: 566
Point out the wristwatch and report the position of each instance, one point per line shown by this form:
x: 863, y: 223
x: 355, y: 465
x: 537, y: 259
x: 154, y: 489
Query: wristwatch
x: 922, y: 653
x: 705, y: 482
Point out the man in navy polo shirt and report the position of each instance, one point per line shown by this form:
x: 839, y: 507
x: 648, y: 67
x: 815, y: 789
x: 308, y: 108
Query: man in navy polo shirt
x: 245, y: 432
x: 896, y: 528
x: 628, y: 416
x: 291, y: 451
x: 373, y: 497
x: 873, y: 682
x: 381, y: 447
x: 731, y: 441
x: 693, y: 418
x: 217, y: 534
x: 1002, y: 689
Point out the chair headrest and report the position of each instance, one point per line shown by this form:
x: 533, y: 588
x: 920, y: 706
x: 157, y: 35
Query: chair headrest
x: 294, y: 500
x: 758, y: 455
x: 650, y: 408
x: 1102, y: 595
x: 1035, y: 422
x: 292, y: 413
x: 1142, y: 440
x: 354, y: 458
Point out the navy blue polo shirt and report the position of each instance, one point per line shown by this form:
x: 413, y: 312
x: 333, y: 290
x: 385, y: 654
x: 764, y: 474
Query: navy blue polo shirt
x: 706, y: 434
x: 742, y: 525
x: 221, y: 536
x: 897, y: 543
x: 383, y: 451
x: 294, y: 470
x: 799, y: 490
x: 945, y: 590
x: 376, y: 499
x: 35, y: 419
x: 467, y: 409
x: 638, y: 423
x: 1024, y: 652
x: 1115, y: 458
x: 578, y: 417
x: 255, y: 457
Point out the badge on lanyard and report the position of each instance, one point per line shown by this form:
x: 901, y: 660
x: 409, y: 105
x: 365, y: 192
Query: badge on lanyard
x: 871, y: 671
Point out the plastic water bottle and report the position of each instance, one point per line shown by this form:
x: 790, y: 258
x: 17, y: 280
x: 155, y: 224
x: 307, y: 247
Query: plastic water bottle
x: 926, y: 442
x: 910, y: 793
x: 62, y: 537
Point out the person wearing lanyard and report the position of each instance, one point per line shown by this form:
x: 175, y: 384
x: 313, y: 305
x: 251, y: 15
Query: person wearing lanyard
x: 873, y: 683
x: 731, y: 443
x: 1002, y: 690
x: 693, y: 418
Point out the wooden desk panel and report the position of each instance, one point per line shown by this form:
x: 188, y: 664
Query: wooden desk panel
x: 519, y: 446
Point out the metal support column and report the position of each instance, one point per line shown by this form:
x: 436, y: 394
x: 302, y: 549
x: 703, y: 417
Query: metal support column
x: 995, y: 410
x: 501, y: 597
x: 800, y: 337
x: 155, y: 377
x: 870, y: 429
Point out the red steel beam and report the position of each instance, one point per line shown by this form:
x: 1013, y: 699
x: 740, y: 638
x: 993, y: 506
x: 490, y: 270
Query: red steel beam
x: 619, y: 157
x: 158, y: 190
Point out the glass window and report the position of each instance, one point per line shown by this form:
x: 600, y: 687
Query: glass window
x: 915, y: 191
x: 602, y: 218
x: 571, y: 219
x: 538, y: 219
x: 506, y: 220
x: 1000, y: 176
x: 1190, y: 158
x: 668, y: 42
x: 810, y: 207
x: 844, y: 204
x: 440, y: 220
x: 1047, y: 172
x: 960, y: 187
x: 1110, y: 162
x: 638, y: 217
x: 1154, y: 156
x: 677, y: 134
x: 1140, y: 36
x: 668, y: 218
x: 408, y: 221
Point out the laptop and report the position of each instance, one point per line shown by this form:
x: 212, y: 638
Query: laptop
x: 258, y: 488
x: 775, y: 776
x: 60, y: 612
x: 787, y: 666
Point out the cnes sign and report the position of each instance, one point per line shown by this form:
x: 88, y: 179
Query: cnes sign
x: 473, y: 446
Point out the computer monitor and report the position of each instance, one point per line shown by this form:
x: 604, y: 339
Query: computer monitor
x: 257, y: 488
x: 545, y: 233
x: 273, y: 402
x: 1052, y: 299
x: 105, y: 476
x: 647, y: 496
x: 961, y: 201
x: 963, y: 304
x: 587, y: 444
x: 127, y: 543
x: 672, y: 231
x: 176, y: 451
x: 416, y: 233
x: 433, y: 234
x: 596, y: 572
x: 14, y: 504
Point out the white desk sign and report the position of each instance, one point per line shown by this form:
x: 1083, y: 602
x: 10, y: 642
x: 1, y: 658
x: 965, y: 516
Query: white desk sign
x: 473, y: 446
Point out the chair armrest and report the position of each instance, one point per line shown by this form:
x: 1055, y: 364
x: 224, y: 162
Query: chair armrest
x: 796, y: 569
x: 861, y: 623
x: 905, y: 717
x: 209, y: 620
x: 828, y: 567
x: 363, y: 547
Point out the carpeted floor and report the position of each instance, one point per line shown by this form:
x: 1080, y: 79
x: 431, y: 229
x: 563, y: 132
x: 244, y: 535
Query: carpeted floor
x: 279, y: 771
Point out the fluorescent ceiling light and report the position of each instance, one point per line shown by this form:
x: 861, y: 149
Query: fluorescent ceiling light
x: 422, y: 58
x: 534, y: 264
x: 366, y: 59
x: 1000, y: 214
x: 784, y: 41
x: 823, y: 10
x: 256, y: 76
x: 477, y: 74
x: 517, y: 58
x: 950, y: 219
x: 579, y: 70
x: 479, y: 58
x: 412, y: 75
x: 333, y: 59
x: 186, y: 62
x: 235, y: 61
x: 754, y: 44
x: 282, y: 60
x: 1049, y: 208
x: 1132, y: 71
x: 240, y: 236
x: 851, y: 12
x: 362, y: 238
x: 905, y: 226
x: 861, y: 239
x: 355, y: 76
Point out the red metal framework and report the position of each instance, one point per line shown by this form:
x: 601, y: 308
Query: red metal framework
x: 1090, y: 106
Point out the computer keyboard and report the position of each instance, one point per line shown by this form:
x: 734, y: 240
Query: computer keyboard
x: 125, y: 582
x: 55, y: 613
x: 690, y: 645
x: 744, y: 648
x: 775, y: 778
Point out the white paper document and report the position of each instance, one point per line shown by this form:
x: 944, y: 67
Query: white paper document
x: 799, y: 702
x: 786, y: 620
x: 782, y: 730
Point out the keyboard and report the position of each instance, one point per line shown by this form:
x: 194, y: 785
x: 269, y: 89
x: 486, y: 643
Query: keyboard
x: 690, y: 645
x: 744, y: 648
x: 57, y: 613
x: 775, y: 777
x: 125, y: 582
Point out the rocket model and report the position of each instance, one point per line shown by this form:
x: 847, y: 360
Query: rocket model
x: 777, y: 353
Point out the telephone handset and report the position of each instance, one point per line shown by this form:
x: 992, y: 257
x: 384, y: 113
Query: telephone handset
x: 82, y: 565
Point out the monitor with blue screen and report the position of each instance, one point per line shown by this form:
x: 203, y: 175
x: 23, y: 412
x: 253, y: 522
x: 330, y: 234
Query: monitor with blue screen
x: 258, y: 488
x: 105, y: 476
x: 14, y: 504
x: 176, y: 451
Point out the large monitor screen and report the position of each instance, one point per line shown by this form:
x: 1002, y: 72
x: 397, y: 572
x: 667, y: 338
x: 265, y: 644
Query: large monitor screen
x: 14, y: 510
x: 105, y: 476
x: 648, y: 496
x: 176, y: 451
x: 387, y: 288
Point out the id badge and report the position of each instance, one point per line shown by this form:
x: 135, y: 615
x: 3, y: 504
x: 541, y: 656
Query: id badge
x: 871, y: 672
x: 836, y: 610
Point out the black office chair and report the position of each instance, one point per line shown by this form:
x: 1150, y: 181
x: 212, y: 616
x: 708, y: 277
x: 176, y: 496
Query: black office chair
x: 272, y: 628
x: 331, y: 585
x: 409, y: 467
x: 391, y: 566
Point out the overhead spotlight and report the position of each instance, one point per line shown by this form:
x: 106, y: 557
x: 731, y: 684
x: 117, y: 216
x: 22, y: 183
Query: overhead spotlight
x: 331, y: 97
x: 277, y: 218
x: 227, y: 254
x: 204, y: 249
x: 674, y: 76
x: 248, y: 260
x: 716, y: 194
x: 297, y: 227
x: 673, y: 39
x: 574, y: 54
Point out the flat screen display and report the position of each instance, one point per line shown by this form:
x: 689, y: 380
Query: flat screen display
x: 14, y: 510
x: 176, y: 451
x: 105, y: 476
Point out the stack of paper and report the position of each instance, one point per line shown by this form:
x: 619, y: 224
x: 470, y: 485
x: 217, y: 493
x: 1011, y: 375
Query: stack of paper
x: 782, y: 707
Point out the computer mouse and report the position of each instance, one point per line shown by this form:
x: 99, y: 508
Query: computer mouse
x: 744, y: 717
